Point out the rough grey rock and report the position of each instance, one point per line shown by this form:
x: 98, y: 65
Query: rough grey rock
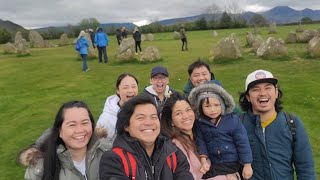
x: 150, y: 54
x: 272, y: 48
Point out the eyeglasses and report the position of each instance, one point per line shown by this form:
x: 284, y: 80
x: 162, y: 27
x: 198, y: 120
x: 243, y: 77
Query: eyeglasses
x: 159, y: 78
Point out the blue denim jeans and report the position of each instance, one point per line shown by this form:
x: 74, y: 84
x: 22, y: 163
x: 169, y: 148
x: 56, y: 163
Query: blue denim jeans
x: 84, y: 62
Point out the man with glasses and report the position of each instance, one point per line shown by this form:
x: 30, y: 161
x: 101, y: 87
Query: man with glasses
x: 159, y: 89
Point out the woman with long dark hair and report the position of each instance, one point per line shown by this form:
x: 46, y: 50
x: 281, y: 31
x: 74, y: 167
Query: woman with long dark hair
x: 70, y: 150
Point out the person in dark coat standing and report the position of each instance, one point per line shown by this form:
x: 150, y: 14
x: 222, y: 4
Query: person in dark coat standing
x: 138, y: 132
x: 119, y: 37
x: 137, y: 39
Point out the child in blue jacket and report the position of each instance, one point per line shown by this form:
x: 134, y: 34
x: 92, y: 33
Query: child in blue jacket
x: 220, y: 135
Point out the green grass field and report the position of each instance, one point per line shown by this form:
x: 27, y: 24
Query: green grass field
x: 33, y: 87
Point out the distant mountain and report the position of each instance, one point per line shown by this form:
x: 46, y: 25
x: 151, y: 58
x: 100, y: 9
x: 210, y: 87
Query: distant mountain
x: 285, y: 14
x: 279, y: 14
x: 10, y: 26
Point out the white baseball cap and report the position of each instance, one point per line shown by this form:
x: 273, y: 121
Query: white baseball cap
x: 259, y: 76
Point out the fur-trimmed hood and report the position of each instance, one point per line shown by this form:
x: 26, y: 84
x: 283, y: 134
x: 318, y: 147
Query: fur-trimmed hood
x: 211, y: 88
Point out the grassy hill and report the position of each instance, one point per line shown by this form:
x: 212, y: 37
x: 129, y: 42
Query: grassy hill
x: 32, y: 88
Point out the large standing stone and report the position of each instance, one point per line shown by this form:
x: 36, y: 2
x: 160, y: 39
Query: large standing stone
x: 64, y: 39
x: 143, y: 37
x: 22, y: 49
x: 150, y: 37
x: 256, y: 30
x: 257, y: 41
x: 228, y: 48
x: 10, y: 48
x: 299, y: 29
x: 176, y: 35
x: 249, y: 38
x: 19, y: 39
x: 126, y: 50
x: 150, y: 54
x: 273, y: 28
x: 306, y: 36
x: 314, y: 47
x: 291, y: 38
x: 36, y: 40
x: 272, y: 48
x: 214, y: 33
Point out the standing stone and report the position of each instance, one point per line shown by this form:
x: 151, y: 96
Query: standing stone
x: 273, y: 28
x: 143, y: 37
x: 272, y: 48
x: 256, y: 30
x: 150, y: 37
x: 249, y: 38
x: 257, y: 41
x: 36, y: 40
x: 214, y: 33
x: 291, y: 38
x: 64, y: 40
x: 150, y: 54
x: 22, y: 49
x: 19, y: 39
x: 299, y: 29
x: 10, y: 48
x: 306, y: 36
x: 126, y: 50
x: 176, y: 35
x: 228, y: 48
x: 314, y: 47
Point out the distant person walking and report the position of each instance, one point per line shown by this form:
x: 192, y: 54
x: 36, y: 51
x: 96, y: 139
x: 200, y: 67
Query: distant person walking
x: 83, y: 50
x: 137, y: 39
x: 101, y: 40
x: 119, y: 37
x: 183, y: 37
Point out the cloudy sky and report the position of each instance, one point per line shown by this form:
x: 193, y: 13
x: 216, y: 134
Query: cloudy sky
x: 43, y: 13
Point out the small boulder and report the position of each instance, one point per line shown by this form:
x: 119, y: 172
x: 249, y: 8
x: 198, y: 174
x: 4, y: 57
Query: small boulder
x: 150, y: 54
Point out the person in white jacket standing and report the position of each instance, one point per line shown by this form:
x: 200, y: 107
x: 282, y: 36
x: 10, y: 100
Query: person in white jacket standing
x: 126, y: 88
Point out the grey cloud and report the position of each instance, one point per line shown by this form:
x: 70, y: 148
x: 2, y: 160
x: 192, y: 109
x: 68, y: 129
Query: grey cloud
x: 63, y: 12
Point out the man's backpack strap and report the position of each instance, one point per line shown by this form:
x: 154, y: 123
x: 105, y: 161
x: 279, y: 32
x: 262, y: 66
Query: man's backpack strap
x: 291, y: 125
x: 129, y: 168
x: 172, y: 161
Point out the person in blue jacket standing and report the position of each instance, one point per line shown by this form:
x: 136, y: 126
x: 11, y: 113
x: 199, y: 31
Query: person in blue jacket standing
x: 277, y: 152
x: 83, y: 51
x: 101, y: 40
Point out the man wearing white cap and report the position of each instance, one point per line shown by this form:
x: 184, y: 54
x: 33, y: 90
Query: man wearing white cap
x: 279, y: 148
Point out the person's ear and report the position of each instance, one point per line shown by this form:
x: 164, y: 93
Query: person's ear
x: 150, y: 80
x: 247, y: 97
x: 277, y: 92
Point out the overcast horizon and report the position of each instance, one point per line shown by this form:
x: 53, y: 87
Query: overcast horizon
x: 44, y: 13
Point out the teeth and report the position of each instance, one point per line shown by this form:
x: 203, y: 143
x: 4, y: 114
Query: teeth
x: 79, y: 137
x: 148, y: 130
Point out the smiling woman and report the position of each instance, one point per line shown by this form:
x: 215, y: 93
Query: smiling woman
x: 70, y: 141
